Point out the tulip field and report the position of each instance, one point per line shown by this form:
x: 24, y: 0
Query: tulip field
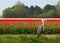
x: 19, y: 23
x: 52, y: 24
x: 28, y: 25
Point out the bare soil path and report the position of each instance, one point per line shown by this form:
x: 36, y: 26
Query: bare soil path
x: 44, y: 35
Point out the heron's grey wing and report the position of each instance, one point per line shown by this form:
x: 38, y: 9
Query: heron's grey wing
x: 43, y: 28
x: 39, y: 30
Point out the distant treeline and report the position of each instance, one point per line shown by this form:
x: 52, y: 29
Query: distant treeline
x: 19, y: 10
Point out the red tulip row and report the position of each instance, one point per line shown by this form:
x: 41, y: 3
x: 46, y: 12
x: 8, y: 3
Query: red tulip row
x: 17, y: 24
x: 52, y: 24
x: 29, y: 23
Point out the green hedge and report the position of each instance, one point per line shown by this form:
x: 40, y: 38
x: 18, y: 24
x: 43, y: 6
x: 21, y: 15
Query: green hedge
x: 52, y: 31
x: 24, y: 30
x: 18, y: 31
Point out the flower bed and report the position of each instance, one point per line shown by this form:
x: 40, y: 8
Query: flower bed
x: 52, y: 26
x: 29, y: 26
x: 19, y: 26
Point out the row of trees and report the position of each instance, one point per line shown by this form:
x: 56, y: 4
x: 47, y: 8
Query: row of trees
x: 19, y: 10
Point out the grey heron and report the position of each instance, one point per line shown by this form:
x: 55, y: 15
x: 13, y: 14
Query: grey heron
x: 40, y: 29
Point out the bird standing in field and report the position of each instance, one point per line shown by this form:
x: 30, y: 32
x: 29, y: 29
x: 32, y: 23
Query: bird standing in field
x: 40, y: 29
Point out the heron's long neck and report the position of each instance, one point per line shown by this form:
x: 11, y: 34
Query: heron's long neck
x: 43, y: 22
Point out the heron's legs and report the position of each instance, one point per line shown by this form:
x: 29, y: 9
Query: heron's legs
x: 39, y: 35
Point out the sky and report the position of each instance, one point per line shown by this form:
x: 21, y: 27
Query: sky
x: 41, y: 3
